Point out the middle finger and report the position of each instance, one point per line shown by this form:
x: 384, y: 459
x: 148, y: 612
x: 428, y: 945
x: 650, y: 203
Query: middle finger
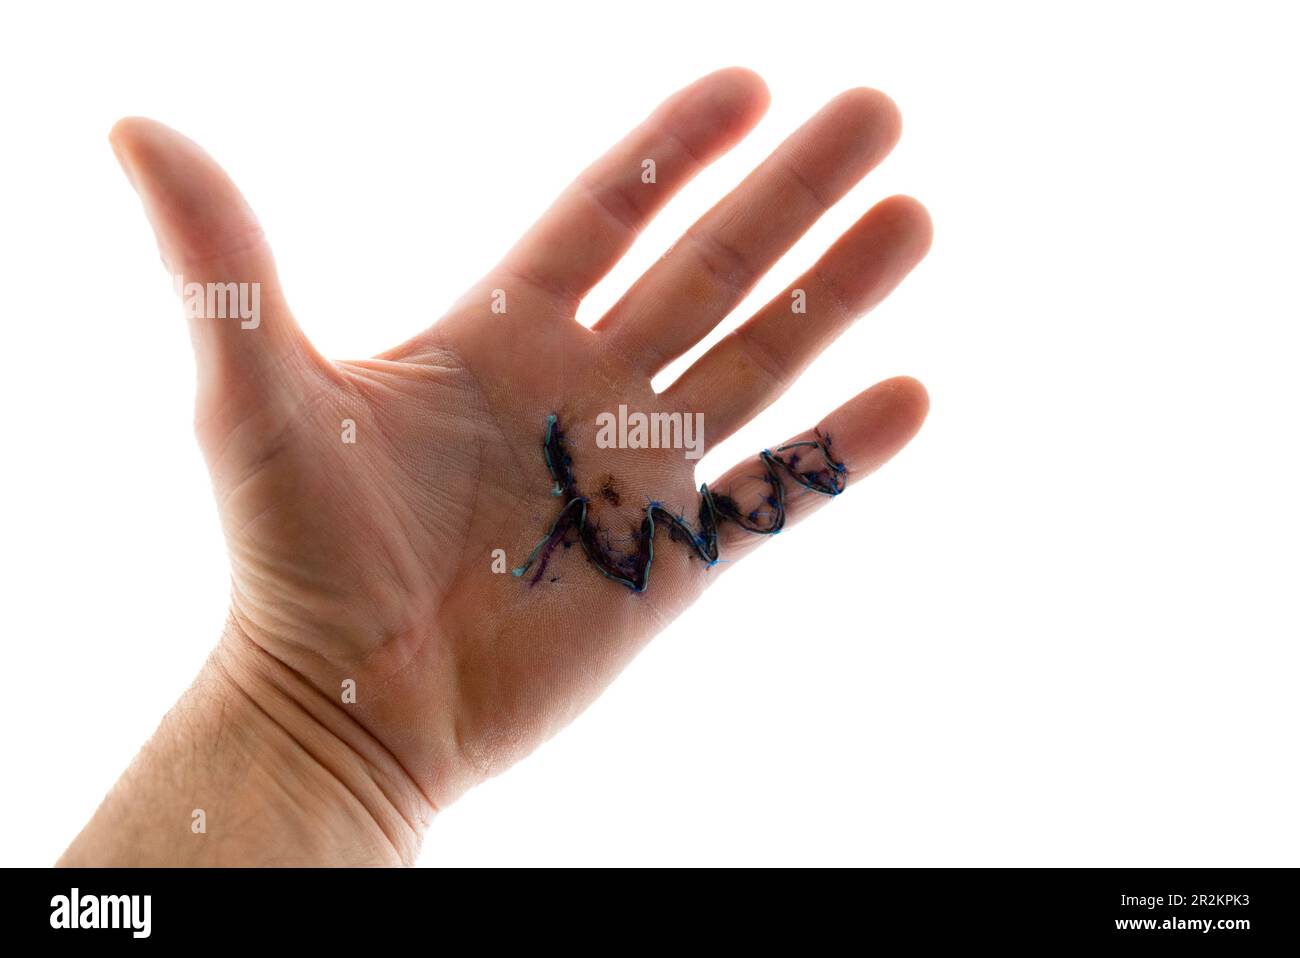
x: 719, y: 259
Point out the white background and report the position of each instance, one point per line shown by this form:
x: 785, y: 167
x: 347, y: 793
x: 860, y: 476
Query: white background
x: 1060, y: 628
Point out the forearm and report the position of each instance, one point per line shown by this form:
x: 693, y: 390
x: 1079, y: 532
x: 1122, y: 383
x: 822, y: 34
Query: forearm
x: 254, y: 767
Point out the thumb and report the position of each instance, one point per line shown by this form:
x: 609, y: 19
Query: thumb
x: 248, y: 348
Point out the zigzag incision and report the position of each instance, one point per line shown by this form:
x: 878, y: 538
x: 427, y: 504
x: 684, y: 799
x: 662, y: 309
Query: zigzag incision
x: 632, y: 569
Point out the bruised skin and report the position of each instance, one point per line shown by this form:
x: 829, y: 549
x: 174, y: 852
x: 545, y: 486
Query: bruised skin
x: 609, y: 491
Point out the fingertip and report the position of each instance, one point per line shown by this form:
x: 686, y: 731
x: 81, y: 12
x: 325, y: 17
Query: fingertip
x: 125, y: 128
x: 871, y: 111
x: 733, y: 98
x: 909, y: 395
x: 847, y: 138
x: 152, y: 155
x: 134, y: 136
x: 909, y: 220
x: 744, y: 86
x: 874, y: 426
x: 196, y: 210
x: 716, y: 111
x: 903, y: 206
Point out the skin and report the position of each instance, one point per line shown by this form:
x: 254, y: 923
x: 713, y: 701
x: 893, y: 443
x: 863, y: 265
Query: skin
x: 371, y: 561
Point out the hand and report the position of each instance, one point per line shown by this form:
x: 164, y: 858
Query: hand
x: 372, y: 561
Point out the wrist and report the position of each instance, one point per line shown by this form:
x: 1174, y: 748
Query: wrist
x: 253, y: 766
x: 357, y: 803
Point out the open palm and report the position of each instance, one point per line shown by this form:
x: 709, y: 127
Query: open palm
x: 367, y: 504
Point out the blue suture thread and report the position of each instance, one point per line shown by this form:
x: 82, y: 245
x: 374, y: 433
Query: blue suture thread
x: 633, y: 570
